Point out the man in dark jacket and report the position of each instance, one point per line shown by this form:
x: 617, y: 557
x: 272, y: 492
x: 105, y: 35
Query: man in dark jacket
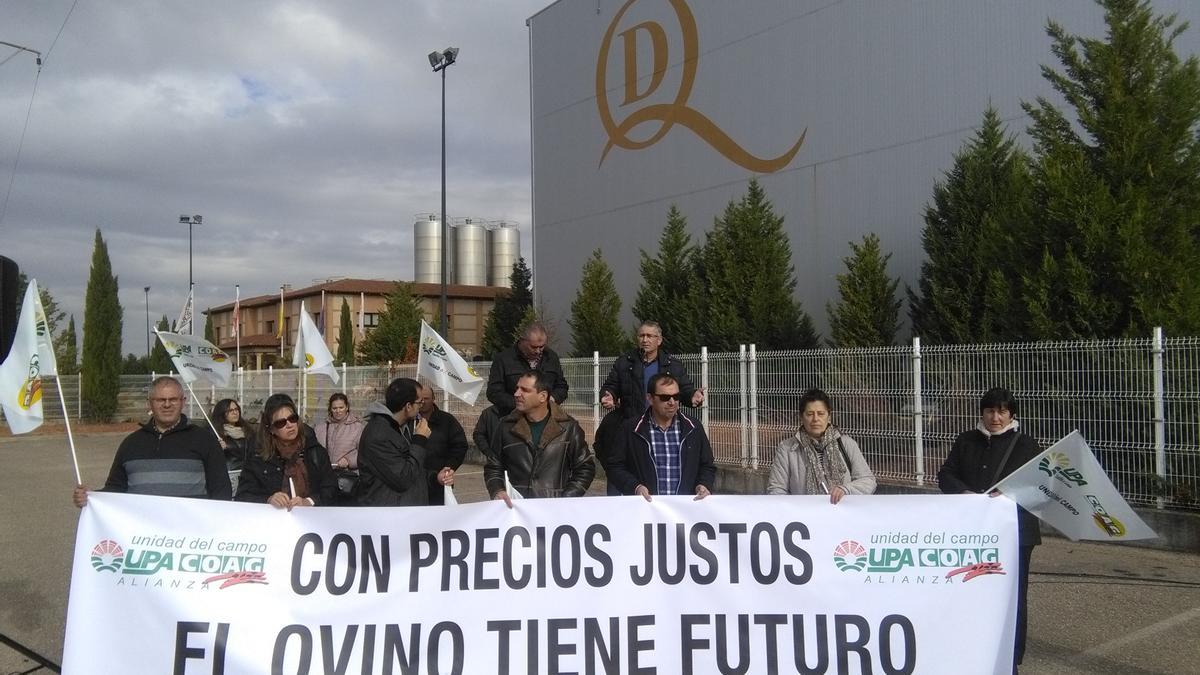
x: 446, y: 448
x: 625, y: 386
x: 168, y: 456
x: 979, y: 459
x: 391, y: 452
x: 540, y: 446
x: 530, y: 353
x: 663, y: 452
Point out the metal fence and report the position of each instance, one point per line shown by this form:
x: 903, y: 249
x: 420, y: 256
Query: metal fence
x: 1136, y: 401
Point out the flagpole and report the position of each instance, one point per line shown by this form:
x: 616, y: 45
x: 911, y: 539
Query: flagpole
x: 70, y: 437
x: 202, y: 413
x: 237, y: 333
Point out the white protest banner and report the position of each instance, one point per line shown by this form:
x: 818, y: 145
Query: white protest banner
x: 196, y: 358
x: 439, y: 362
x: 886, y: 584
x: 1066, y: 487
x: 311, y: 352
x: 29, y: 359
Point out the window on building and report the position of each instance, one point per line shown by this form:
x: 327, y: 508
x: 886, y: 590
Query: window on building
x: 270, y: 327
x: 370, y: 320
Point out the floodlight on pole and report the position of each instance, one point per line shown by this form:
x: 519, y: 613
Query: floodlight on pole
x: 440, y: 61
x: 190, y: 221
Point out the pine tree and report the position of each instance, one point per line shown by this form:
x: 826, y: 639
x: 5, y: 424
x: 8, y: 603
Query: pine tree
x: 504, y: 320
x: 976, y: 238
x: 749, y: 280
x: 669, y: 293
x: 594, y: 312
x: 397, y: 330
x: 102, y: 317
x: 345, y: 349
x: 868, y: 312
x: 160, y: 361
x: 1117, y: 182
x: 66, y: 350
x: 210, y: 333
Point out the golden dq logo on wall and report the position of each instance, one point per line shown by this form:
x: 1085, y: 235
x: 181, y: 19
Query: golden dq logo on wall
x: 677, y: 111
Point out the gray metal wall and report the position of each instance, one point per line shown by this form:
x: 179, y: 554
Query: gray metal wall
x: 885, y: 92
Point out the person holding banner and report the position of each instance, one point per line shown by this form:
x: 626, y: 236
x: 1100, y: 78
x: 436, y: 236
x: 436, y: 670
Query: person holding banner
x: 446, y: 448
x: 168, y: 456
x: 539, y: 446
x: 819, y: 459
x: 391, y: 452
x: 290, y: 468
x: 979, y: 459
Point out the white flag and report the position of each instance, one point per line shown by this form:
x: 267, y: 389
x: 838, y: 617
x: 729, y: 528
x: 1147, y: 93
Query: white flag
x: 184, y: 323
x: 1066, y: 487
x: 31, y: 357
x: 196, y: 358
x: 439, y: 362
x: 311, y: 351
x: 448, y: 497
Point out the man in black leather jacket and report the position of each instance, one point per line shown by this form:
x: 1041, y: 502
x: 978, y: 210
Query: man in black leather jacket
x: 530, y: 353
x: 540, y: 446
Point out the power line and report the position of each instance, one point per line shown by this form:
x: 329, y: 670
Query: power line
x: 24, y: 128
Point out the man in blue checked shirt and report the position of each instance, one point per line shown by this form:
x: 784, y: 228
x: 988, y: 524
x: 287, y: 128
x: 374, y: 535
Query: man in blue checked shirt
x: 662, y: 451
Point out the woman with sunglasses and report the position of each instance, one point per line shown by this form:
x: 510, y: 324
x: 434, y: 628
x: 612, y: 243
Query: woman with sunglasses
x: 819, y: 459
x: 290, y: 468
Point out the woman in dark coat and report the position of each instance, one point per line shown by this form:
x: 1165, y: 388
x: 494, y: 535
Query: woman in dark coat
x: 290, y: 468
x: 238, y: 438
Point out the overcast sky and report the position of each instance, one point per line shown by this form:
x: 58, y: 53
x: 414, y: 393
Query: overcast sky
x: 307, y: 134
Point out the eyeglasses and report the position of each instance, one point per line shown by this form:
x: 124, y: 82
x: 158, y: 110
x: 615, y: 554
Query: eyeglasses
x: 165, y: 401
x: 647, y: 335
x: 284, y: 421
x: 666, y: 398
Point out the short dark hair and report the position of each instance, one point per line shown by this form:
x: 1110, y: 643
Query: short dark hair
x: 998, y: 397
x: 814, y: 395
x: 163, y: 380
x: 651, y: 324
x: 542, y: 382
x: 652, y: 386
x: 401, y: 392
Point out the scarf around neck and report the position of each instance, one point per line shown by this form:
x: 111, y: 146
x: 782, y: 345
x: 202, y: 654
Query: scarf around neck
x: 826, y: 467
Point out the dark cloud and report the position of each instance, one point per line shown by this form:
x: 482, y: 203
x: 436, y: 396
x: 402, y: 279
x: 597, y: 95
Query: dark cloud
x: 307, y: 134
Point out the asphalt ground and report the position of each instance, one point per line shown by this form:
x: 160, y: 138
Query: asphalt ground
x: 1093, y: 608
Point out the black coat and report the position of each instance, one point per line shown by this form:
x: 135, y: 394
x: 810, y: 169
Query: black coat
x: 561, y: 465
x: 391, y: 463
x: 262, y: 478
x: 632, y: 462
x: 971, y: 467
x: 507, y: 368
x: 238, y: 450
x: 624, y: 381
x: 446, y: 447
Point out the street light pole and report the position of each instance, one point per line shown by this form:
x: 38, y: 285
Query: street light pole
x: 147, y: 322
x: 190, y: 221
x: 440, y: 62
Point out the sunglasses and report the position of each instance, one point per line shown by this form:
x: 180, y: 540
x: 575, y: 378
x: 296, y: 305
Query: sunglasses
x: 284, y: 421
x: 667, y: 397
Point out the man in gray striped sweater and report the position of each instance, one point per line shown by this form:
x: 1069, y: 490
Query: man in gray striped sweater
x: 168, y: 456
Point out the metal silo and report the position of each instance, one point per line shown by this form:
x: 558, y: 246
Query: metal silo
x: 470, y: 252
x: 427, y: 250
x: 504, y: 244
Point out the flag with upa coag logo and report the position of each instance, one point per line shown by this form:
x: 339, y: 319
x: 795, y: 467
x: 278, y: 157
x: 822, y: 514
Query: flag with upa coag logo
x: 196, y: 358
x: 31, y: 357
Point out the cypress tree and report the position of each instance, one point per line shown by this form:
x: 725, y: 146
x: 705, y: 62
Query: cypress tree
x: 868, y: 312
x: 66, y: 349
x: 210, y: 333
x: 102, y: 317
x: 669, y: 292
x: 397, y: 330
x: 594, y: 311
x: 159, y: 361
x: 976, y: 239
x: 1117, y: 182
x: 504, y: 321
x: 345, y: 349
x: 750, y: 282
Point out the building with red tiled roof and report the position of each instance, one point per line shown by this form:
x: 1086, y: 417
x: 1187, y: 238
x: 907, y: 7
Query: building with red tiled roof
x: 263, y: 345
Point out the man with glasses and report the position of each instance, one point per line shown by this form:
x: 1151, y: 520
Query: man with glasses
x: 168, y: 456
x: 530, y: 353
x: 662, y: 451
x: 626, y: 384
x: 446, y: 448
x: 391, y: 451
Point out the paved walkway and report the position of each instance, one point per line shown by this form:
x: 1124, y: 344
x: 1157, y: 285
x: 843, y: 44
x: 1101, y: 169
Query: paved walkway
x: 1094, y: 608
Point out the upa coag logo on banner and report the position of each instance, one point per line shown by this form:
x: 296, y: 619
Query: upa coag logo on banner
x: 177, y: 563
x: 665, y: 114
x: 931, y: 558
x: 1107, y: 523
x: 433, y: 348
x: 1058, y: 465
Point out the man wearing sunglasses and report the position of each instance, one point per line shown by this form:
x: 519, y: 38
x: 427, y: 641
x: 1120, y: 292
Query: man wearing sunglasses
x: 391, y: 451
x: 662, y: 451
x: 168, y: 456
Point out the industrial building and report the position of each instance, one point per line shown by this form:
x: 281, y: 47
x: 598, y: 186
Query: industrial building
x: 846, y: 111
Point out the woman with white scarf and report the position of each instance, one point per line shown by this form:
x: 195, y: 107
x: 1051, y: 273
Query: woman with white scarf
x: 819, y: 459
